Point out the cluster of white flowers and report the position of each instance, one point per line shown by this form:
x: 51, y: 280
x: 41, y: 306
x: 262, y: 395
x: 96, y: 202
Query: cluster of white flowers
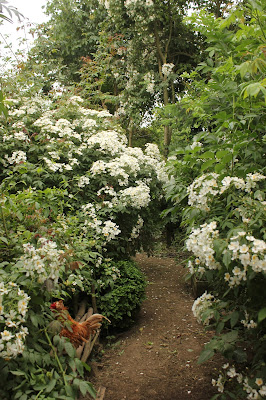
x: 75, y: 100
x: 248, y: 323
x: 252, y: 179
x: 21, y: 136
x: 129, y: 3
x: 201, y: 305
x: 89, y: 210
x: 106, y: 4
x: 195, y: 144
x: 45, y: 123
x: 150, y: 82
x: 95, y: 113
x: 152, y: 150
x: 255, y: 392
x: 200, y: 242
x: 167, y: 68
x: 113, y: 168
x: 30, y: 106
x: 105, y: 193
x: 239, y: 183
x: 110, y: 230
x: 219, y: 383
x: 89, y: 123
x: 43, y: 262
x: 83, y: 181
x: 127, y: 164
x: 250, y: 252
x: 202, y: 191
x: 135, y: 196
x: 93, y: 224
x: 17, y: 157
x: 13, y: 310
x: 137, y: 228
x: 110, y: 142
x: 18, y: 125
x: 64, y: 128
x: 54, y: 166
x: 17, y: 113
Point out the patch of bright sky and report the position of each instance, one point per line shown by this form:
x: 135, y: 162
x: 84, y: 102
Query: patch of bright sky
x: 12, y: 33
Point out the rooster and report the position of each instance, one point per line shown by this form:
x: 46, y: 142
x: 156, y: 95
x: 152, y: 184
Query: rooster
x: 77, y: 332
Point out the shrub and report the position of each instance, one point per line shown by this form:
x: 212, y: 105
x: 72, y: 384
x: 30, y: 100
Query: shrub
x: 74, y: 200
x: 120, y: 301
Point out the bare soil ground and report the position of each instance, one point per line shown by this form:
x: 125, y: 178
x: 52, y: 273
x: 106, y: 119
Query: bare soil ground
x: 157, y: 358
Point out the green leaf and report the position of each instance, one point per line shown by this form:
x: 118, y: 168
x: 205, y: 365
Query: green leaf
x: 83, y: 387
x: 240, y: 355
x: 18, y: 373
x: 207, y: 164
x: 220, y: 327
x: 34, y: 319
x: 230, y: 336
x: 222, y: 153
x: 70, y: 391
x: 253, y: 90
x: 56, y: 340
x: 70, y: 349
x: 86, y: 366
x: 218, y: 168
x: 219, y: 245
x: 4, y: 239
x: 207, y: 154
x: 205, y: 355
x: 51, y: 385
x: 234, y: 318
x: 79, y: 366
x: 244, y: 68
x: 227, y: 258
x: 262, y: 315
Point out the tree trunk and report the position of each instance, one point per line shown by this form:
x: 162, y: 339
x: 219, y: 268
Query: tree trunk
x: 167, y: 140
x: 130, y: 133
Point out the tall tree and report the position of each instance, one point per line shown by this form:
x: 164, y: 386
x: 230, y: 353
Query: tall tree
x: 157, y: 48
x: 71, y: 33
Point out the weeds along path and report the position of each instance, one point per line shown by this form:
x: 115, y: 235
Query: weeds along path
x: 157, y: 358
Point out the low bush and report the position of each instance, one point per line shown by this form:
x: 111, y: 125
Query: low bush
x: 120, y: 301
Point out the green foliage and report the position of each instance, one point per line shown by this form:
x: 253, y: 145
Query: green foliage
x: 6, y: 8
x: 218, y: 191
x: 75, y: 201
x: 120, y: 301
x: 72, y: 32
x: 137, y: 62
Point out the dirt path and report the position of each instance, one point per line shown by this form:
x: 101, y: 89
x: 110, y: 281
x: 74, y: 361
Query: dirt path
x: 157, y: 358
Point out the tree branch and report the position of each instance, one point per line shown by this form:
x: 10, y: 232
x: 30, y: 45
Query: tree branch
x: 170, y: 32
x: 158, y: 46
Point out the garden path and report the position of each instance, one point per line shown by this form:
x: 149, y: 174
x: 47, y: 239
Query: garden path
x: 157, y: 358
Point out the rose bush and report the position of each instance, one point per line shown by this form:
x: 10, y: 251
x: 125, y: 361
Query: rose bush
x: 75, y: 200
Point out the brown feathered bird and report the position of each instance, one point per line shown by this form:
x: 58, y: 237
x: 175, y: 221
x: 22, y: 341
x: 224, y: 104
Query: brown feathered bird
x: 77, y: 332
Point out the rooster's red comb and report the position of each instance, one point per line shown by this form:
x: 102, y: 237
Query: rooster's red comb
x: 53, y: 306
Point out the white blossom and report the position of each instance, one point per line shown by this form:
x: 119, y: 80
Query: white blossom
x: 167, y: 68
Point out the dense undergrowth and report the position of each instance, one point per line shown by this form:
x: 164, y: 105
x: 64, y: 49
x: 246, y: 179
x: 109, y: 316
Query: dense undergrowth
x: 220, y: 186
x: 76, y: 203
